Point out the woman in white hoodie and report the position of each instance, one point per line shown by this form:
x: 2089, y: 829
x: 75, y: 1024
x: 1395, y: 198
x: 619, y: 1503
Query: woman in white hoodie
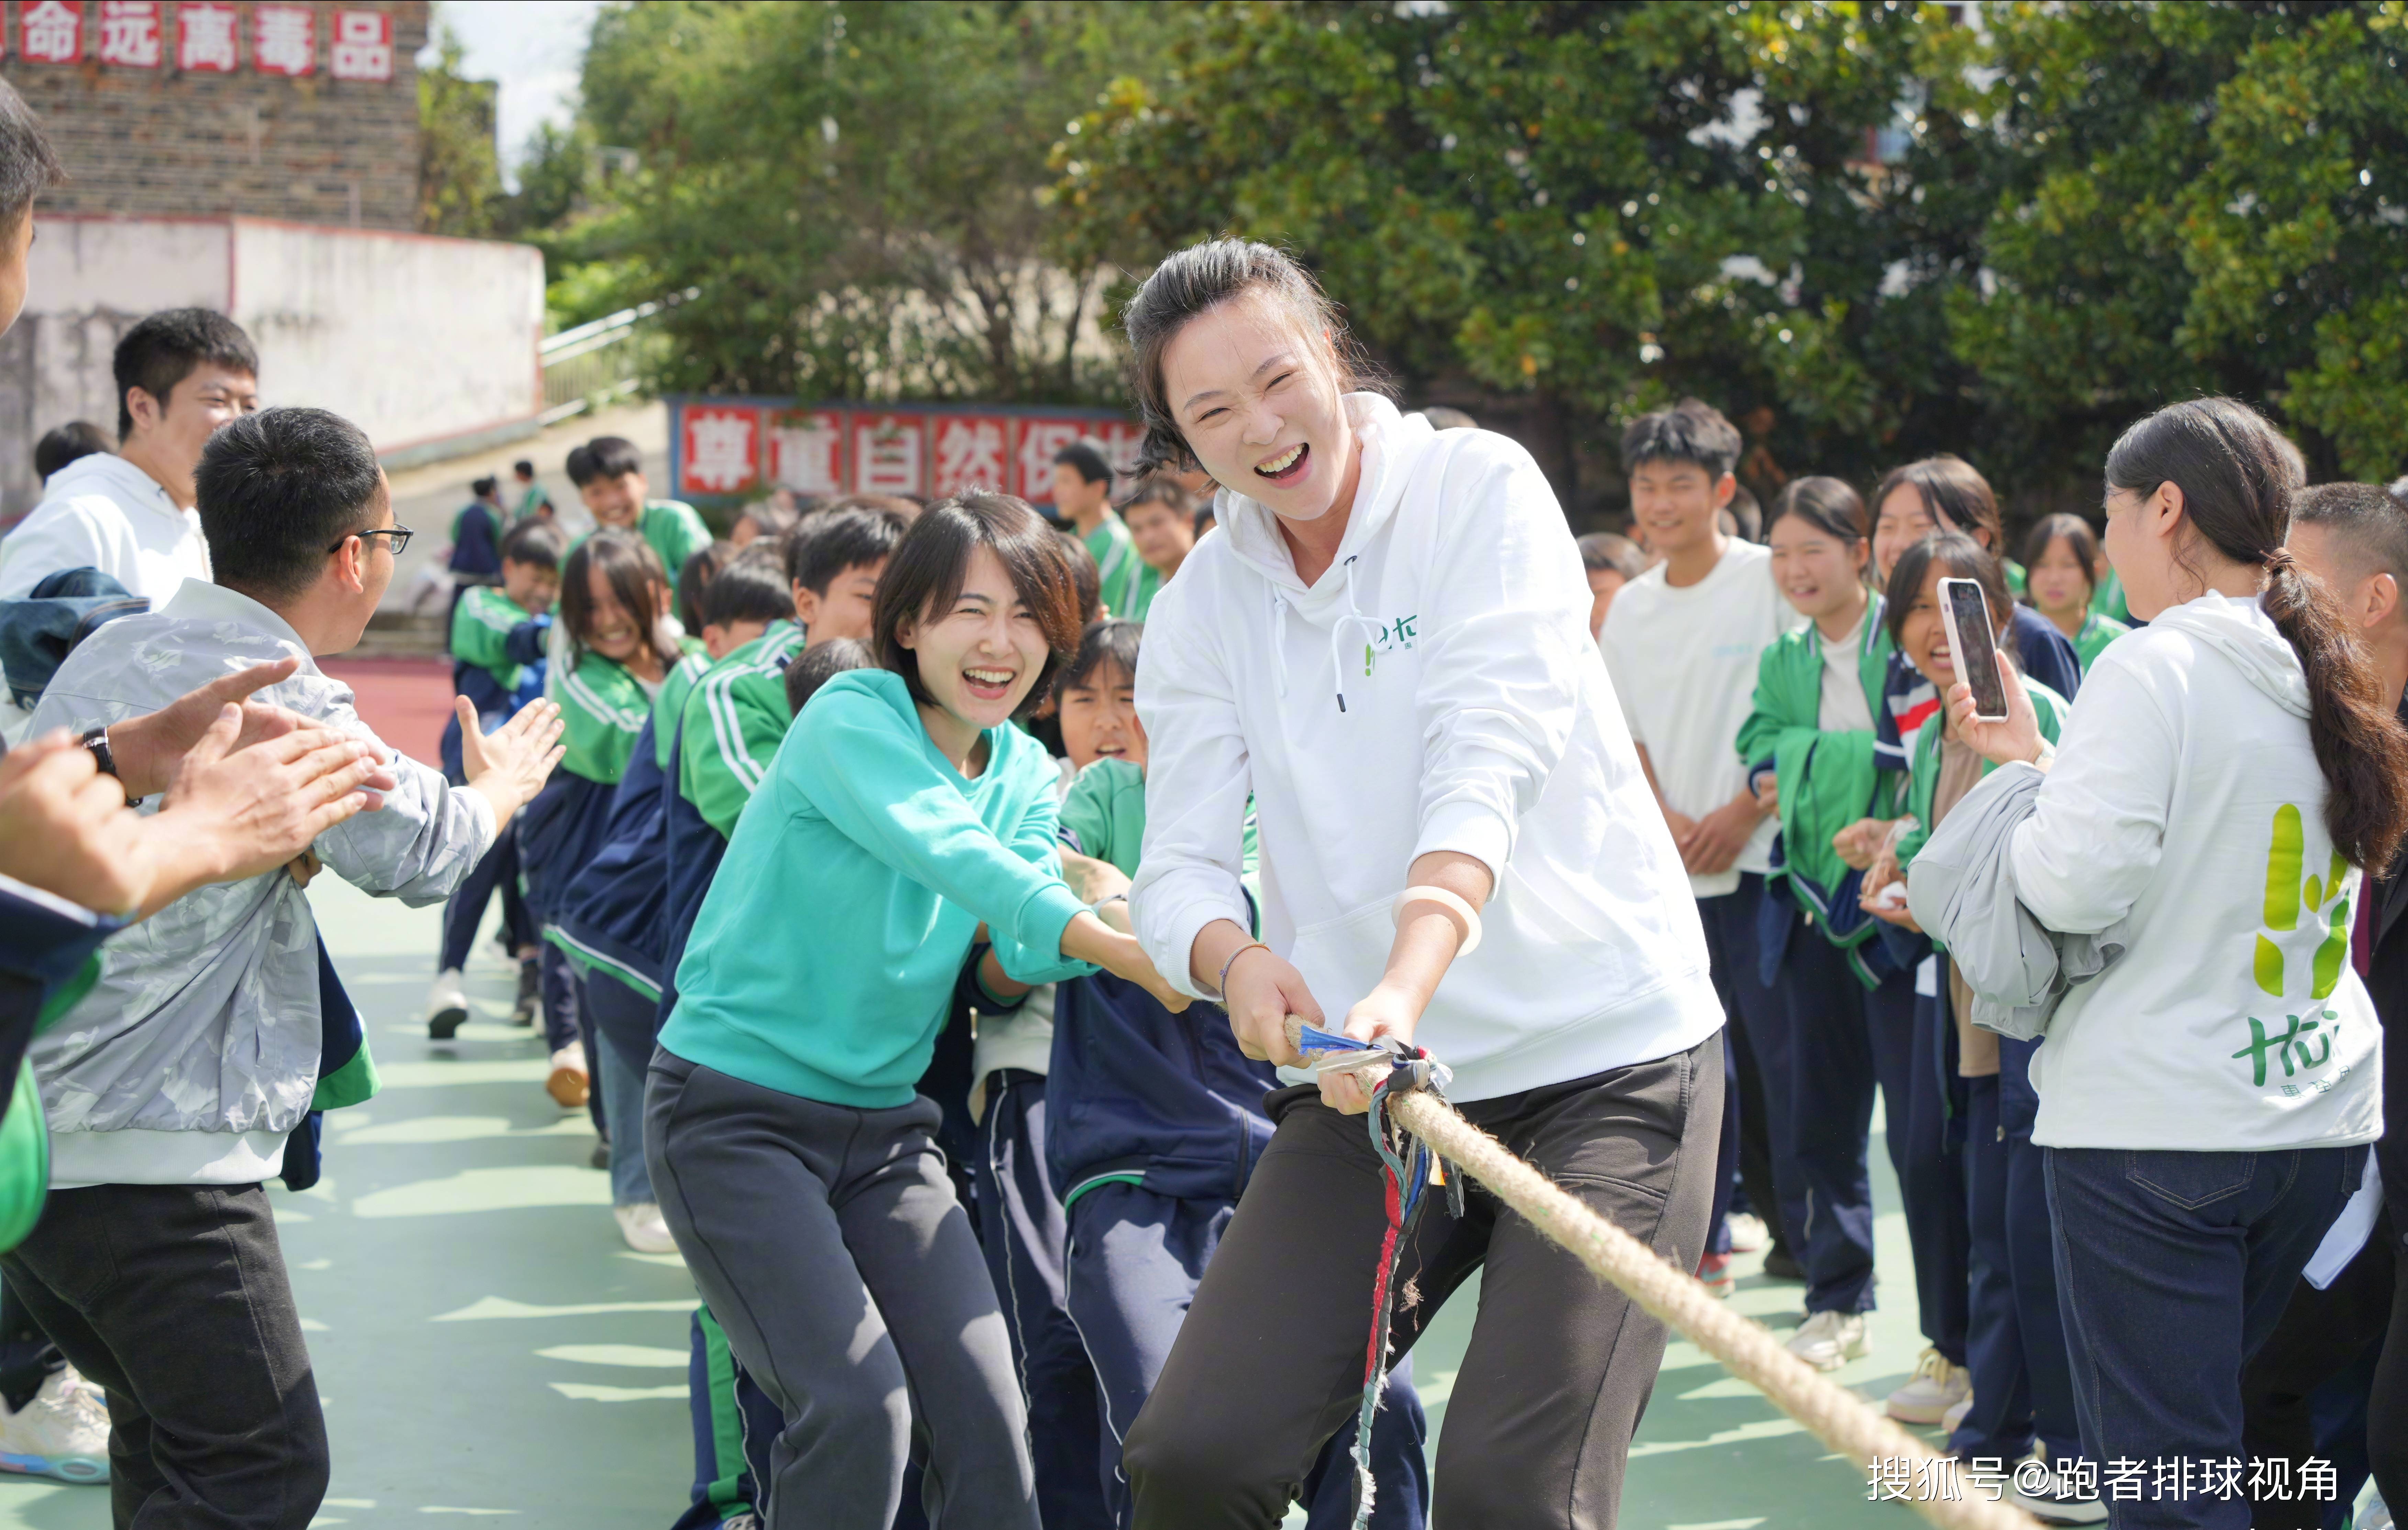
x: 2204, y: 1102
x: 1386, y: 645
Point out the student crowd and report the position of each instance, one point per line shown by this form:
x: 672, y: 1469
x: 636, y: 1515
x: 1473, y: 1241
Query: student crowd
x: 874, y: 875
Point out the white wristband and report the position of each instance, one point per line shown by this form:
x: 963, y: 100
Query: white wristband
x: 1453, y: 905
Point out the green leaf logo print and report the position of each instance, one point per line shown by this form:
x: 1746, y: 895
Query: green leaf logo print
x: 2288, y: 897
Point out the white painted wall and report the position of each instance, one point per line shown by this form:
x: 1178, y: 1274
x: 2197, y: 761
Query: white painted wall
x: 415, y: 339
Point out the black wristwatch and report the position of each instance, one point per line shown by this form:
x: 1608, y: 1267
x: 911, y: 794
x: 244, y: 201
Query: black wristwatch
x: 96, y: 740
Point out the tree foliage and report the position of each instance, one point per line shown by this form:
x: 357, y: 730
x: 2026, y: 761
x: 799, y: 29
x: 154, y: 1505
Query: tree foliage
x: 459, y: 177
x: 1867, y: 231
x: 854, y: 189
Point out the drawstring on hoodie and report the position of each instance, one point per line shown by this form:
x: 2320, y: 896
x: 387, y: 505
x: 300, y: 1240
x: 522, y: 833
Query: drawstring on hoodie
x: 1353, y: 614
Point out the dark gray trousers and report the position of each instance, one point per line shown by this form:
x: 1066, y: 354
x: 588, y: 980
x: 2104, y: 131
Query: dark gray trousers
x: 830, y: 1246
x: 1560, y: 1364
x: 174, y: 1299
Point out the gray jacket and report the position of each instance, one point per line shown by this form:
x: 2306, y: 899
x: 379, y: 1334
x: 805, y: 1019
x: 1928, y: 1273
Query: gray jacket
x: 1961, y: 889
x: 206, y: 1016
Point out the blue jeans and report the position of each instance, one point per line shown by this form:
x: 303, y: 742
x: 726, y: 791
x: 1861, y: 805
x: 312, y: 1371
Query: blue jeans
x: 2171, y: 1268
x: 623, y: 1048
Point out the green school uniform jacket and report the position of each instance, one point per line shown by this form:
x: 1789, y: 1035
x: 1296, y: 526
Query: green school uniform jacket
x: 1117, y: 564
x: 480, y: 627
x: 732, y: 723
x: 1829, y: 780
x: 1105, y: 809
x: 670, y: 704
x: 602, y: 709
x: 672, y: 528
x: 2096, y: 633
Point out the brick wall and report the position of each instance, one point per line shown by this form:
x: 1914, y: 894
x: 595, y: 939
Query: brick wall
x: 153, y: 142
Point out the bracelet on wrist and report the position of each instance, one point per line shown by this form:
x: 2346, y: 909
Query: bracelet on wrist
x: 1221, y: 987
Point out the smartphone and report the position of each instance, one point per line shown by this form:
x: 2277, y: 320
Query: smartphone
x: 1967, y: 611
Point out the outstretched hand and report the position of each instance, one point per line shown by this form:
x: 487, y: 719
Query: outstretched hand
x: 509, y: 765
x: 146, y: 749
x: 234, y: 812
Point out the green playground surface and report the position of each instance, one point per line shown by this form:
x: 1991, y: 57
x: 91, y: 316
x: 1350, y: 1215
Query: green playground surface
x: 489, y: 1349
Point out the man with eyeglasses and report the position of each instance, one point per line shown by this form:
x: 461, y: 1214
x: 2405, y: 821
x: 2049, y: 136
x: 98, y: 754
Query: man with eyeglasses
x: 172, y: 1088
x: 180, y: 376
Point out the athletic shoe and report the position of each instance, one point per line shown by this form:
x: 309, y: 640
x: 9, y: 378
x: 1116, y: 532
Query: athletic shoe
x: 447, y: 1006
x: 530, y: 997
x: 1828, y: 1340
x: 2060, y: 1502
x: 1715, y: 1274
x: 568, y: 1083
x: 1954, y: 1419
x: 600, y: 1156
x: 644, y: 1229
x: 1748, y: 1232
x: 62, y: 1432
x: 1935, y: 1387
x: 1781, y: 1264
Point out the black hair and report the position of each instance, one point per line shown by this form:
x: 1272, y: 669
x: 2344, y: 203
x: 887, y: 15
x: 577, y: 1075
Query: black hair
x: 1688, y: 432
x: 1160, y: 489
x: 773, y: 519
x: 1196, y: 281
x: 819, y: 663
x: 1109, y: 642
x: 1746, y: 514
x: 1955, y: 496
x: 1086, y: 460
x: 163, y: 350
x: 482, y: 487
x: 925, y: 577
x: 278, y: 490
x: 28, y: 165
x: 1827, y: 505
x: 1604, y: 549
x: 2238, y: 478
x: 604, y: 457
x: 748, y: 590
x: 523, y: 468
x: 701, y: 566
x: 70, y: 442
x: 538, y: 543
x: 1086, y: 576
x: 2373, y: 519
x: 2079, y: 539
x: 633, y: 571
x: 1958, y: 556
x: 827, y: 545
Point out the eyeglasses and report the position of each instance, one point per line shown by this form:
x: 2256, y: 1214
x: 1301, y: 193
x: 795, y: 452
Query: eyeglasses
x: 400, y: 534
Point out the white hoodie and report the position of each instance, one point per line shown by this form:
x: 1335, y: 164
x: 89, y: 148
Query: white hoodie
x: 103, y: 512
x: 1436, y: 688
x: 2185, y: 797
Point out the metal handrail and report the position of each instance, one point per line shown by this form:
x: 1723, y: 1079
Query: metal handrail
x: 596, y: 362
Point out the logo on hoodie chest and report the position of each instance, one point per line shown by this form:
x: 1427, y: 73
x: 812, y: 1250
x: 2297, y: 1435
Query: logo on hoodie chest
x: 1396, y: 636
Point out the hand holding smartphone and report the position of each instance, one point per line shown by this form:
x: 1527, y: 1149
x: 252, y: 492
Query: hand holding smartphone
x: 1973, y: 645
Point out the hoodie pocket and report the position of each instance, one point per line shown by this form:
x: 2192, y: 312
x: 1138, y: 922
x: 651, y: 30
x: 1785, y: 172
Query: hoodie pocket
x: 1343, y: 958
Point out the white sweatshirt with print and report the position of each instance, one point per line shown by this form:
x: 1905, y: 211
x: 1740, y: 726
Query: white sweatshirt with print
x: 2186, y: 799
x: 1436, y: 688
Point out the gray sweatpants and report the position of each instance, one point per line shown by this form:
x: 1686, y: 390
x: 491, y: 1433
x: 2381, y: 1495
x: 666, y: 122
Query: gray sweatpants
x: 830, y: 1246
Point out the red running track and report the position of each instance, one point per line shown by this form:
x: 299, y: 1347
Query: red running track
x: 405, y: 701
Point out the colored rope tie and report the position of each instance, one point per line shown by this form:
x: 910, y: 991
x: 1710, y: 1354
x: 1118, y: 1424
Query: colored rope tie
x: 1408, y: 1104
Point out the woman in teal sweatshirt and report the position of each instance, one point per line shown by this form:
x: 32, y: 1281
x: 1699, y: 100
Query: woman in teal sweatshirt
x: 793, y: 1160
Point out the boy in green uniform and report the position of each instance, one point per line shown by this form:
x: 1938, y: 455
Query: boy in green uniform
x: 608, y: 473
x: 1082, y: 495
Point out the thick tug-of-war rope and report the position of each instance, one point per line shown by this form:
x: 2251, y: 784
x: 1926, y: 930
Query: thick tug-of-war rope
x: 1421, y: 1139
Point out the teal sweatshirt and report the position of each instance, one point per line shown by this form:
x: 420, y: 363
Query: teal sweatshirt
x: 825, y: 952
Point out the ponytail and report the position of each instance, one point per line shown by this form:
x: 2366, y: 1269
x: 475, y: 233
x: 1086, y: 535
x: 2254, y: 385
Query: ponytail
x: 2360, y: 744
x: 2239, y: 476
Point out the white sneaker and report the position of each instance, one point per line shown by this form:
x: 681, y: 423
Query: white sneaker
x: 1954, y: 1419
x: 568, y: 1083
x: 1748, y: 1232
x: 2373, y: 1513
x: 1828, y: 1340
x: 447, y: 1006
x: 61, y: 1433
x: 644, y: 1229
x: 1935, y: 1387
x: 2057, y: 1502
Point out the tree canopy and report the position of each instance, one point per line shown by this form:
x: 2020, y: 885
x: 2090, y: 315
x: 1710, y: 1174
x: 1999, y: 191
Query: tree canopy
x: 1868, y: 230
